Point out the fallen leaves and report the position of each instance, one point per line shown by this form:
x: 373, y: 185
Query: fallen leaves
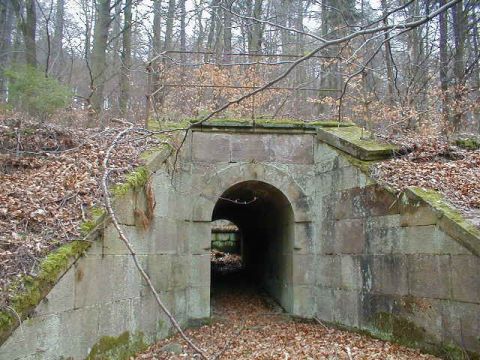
x: 249, y: 325
x: 50, y: 176
x: 435, y: 164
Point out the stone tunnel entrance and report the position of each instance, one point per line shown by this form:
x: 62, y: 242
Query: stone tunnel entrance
x: 265, y: 220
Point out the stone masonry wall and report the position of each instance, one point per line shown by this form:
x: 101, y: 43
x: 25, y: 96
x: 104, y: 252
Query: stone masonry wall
x: 384, y: 264
x: 102, y: 294
x: 360, y: 256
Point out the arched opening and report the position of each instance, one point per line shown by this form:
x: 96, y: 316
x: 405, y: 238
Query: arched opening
x: 265, y: 220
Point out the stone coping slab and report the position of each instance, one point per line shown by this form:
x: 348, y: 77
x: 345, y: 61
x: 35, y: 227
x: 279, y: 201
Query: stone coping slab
x: 259, y: 125
x: 355, y: 141
x: 450, y: 220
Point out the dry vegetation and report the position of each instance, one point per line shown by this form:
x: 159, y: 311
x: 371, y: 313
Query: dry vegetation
x: 249, y: 326
x: 50, y: 177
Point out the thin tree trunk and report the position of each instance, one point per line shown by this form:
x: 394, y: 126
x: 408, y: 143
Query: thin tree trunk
x: 388, y: 58
x: 227, y: 32
x: 444, y: 64
x: 99, y: 53
x: 126, y: 58
x: 6, y: 27
x: 459, y: 62
x: 57, y: 47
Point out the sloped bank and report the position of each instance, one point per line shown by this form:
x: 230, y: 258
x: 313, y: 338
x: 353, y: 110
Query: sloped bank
x: 402, y: 267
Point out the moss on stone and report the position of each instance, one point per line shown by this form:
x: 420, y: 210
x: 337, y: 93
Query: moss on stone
x: 133, y: 181
x: 365, y: 166
x: 34, y: 289
x: 362, y: 138
x: 469, y: 144
x: 122, y: 347
x: 450, y: 219
x: 399, y: 329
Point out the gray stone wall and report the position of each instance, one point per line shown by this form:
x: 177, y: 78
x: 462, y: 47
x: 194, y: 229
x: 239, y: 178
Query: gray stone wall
x: 385, y: 265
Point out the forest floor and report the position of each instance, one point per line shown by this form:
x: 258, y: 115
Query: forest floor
x: 247, y: 324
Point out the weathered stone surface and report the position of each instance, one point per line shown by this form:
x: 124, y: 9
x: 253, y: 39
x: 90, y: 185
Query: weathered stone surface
x: 349, y: 236
x: 465, y: 278
x: 429, y: 276
x: 337, y: 247
x: 210, y: 147
x: 60, y: 299
x: 390, y: 274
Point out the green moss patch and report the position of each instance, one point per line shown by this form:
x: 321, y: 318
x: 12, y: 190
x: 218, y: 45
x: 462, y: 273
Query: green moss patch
x: 356, y: 142
x: 399, y: 329
x: 450, y: 220
x: 34, y: 289
x: 133, y: 181
x: 122, y: 347
x: 469, y: 143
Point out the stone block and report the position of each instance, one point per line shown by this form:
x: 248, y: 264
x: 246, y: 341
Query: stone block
x: 247, y: 147
x: 324, y: 153
x: 180, y: 271
x: 159, y: 268
x: 304, y: 238
x: 198, y: 302
x: 115, y: 317
x: 124, y: 206
x: 389, y: 274
x: 347, y: 307
x: 325, y: 304
x: 381, y: 240
x: 461, y: 324
x: 465, y: 278
x: 412, y: 215
x: 211, y: 147
x: 104, y: 279
x: 328, y: 272
x: 379, y: 202
x: 351, y: 274
x: 429, y: 276
x: 60, y: 298
x: 200, y: 238
x: 303, y: 269
x: 347, y: 178
x: 349, y: 236
x: 199, y: 270
x: 292, y: 149
x: 303, y: 301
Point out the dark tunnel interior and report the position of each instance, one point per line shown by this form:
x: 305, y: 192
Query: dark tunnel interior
x: 264, y: 217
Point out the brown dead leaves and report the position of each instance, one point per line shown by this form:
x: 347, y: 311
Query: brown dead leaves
x: 247, y: 326
x: 50, y: 177
x: 434, y: 164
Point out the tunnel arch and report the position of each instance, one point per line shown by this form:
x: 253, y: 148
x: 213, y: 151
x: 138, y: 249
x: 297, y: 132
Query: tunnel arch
x: 265, y: 218
x: 214, y: 184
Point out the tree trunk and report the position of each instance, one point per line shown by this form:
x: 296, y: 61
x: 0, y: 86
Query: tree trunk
x: 57, y: 47
x: 388, y: 58
x: 255, y: 29
x: 126, y: 58
x: 6, y: 28
x: 227, y: 32
x: 28, y: 25
x: 444, y: 63
x: 169, y: 25
x: 459, y: 62
x: 99, y: 53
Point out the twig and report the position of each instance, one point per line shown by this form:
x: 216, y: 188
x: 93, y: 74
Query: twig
x: 349, y: 353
